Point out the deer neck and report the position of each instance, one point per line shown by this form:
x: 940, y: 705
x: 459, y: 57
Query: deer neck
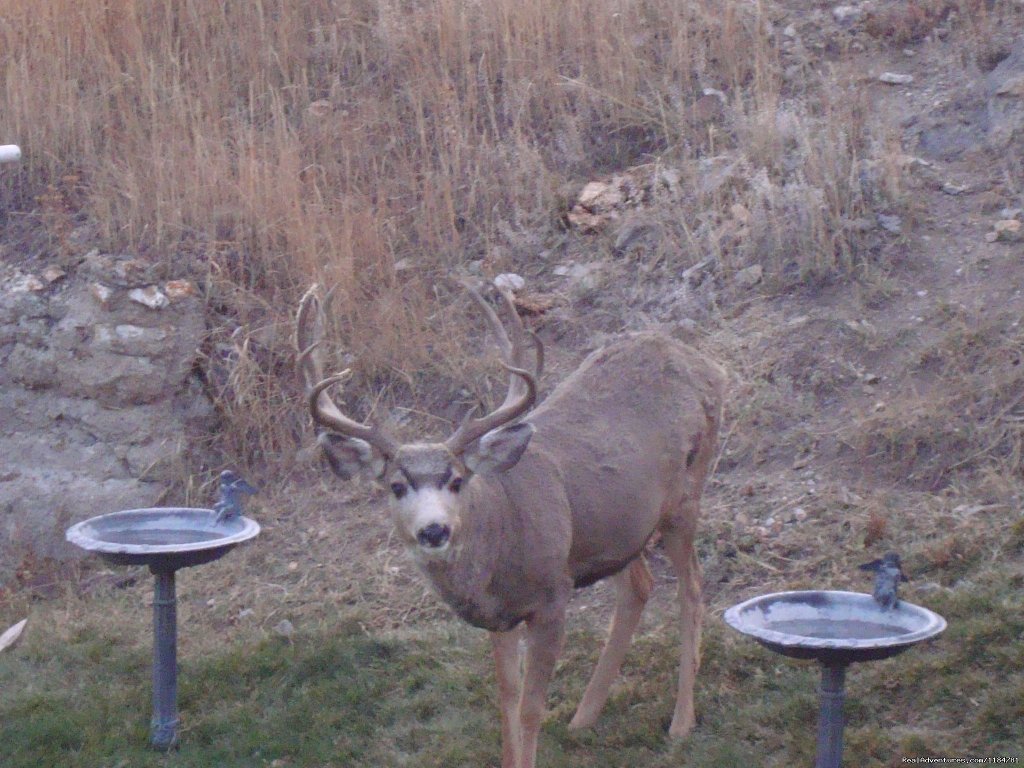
x: 475, y: 578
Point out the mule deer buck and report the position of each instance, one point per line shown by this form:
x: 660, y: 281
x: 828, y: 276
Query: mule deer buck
x: 505, y: 517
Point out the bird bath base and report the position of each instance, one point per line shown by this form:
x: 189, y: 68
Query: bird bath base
x: 165, y: 539
x: 836, y: 629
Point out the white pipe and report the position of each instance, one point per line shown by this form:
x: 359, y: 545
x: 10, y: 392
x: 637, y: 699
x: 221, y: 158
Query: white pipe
x: 10, y: 153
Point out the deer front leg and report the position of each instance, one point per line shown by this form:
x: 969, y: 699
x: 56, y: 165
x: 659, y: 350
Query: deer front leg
x: 544, y: 634
x: 509, y: 673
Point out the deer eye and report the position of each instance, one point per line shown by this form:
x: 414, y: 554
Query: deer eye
x: 398, y: 489
x: 455, y: 485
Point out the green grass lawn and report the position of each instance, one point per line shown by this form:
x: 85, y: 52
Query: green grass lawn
x: 339, y: 696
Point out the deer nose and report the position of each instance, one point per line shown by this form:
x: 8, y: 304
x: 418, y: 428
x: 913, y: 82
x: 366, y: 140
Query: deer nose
x: 434, y: 535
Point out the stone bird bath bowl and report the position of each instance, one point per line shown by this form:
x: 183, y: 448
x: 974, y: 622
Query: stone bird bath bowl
x: 165, y: 539
x: 835, y: 629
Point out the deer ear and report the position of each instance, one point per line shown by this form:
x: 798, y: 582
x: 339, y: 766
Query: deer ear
x: 499, y: 449
x: 348, y: 456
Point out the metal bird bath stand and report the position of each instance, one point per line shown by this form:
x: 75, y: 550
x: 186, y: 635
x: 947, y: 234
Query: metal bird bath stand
x: 836, y: 629
x: 167, y: 539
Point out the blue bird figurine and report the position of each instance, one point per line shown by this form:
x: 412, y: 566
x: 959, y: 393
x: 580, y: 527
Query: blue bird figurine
x: 229, y: 505
x: 888, y: 575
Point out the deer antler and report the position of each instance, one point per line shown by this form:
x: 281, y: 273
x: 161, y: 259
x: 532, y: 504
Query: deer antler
x: 518, y: 399
x: 309, y: 330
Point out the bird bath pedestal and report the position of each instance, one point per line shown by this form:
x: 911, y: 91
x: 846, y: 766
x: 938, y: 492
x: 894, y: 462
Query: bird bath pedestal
x: 165, y: 539
x: 836, y: 629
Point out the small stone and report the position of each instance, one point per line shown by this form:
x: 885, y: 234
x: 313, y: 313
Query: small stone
x: 749, y: 276
x: 293, y: 566
x: 846, y: 14
x: 509, y: 281
x: 180, y: 289
x: 1008, y: 231
x: 150, y: 296
x: 895, y: 78
x: 245, y: 613
x: 53, y: 273
x: 12, y: 634
x: 26, y: 284
x: 789, y: 31
x: 871, y: 378
x: 284, y: 628
x: 102, y: 293
x: 990, y: 237
x: 954, y: 189
x: 320, y: 108
x: 799, y: 515
x: 1011, y: 213
x: 403, y: 265
x: 889, y: 223
x: 880, y: 406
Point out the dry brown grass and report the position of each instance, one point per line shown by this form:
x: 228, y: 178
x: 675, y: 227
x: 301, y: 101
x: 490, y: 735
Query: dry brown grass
x: 378, y: 146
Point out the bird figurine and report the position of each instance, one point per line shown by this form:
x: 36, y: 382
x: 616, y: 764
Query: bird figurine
x: 888, y: 575
x: 229, y: 505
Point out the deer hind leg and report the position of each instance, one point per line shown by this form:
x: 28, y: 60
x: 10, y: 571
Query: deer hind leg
x: 678, y: 542
x: 508, y: 670
x: 632, y: 590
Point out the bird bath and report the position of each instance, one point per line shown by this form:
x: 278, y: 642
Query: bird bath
x: 165, y: 539
x: 835, y: 629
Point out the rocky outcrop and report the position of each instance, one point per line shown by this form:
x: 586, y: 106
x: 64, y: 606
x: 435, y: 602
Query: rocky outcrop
x: 97, y: 396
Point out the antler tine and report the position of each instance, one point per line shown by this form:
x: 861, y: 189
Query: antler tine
x: 472, y: 429
x: 522, y: 389
x: 309, y: 324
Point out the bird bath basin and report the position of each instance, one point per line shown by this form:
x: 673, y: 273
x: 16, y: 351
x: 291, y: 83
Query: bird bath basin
x: 164, y: 538
x: 167, y: 539
x: 836, y: 629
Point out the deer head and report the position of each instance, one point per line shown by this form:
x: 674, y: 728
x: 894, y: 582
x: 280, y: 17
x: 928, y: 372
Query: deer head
x: 427, y: 481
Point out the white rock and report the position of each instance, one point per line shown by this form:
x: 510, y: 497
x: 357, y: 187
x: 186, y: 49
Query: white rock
x: 509, y: 281
x: 102, y: 293
x: 893, y: 224
x: 150, y: 296
x: 895, y: 78
x: 749, y: 276
x: 26, y: 284
x: 846, y: 14
x: 53, y: 273
x: 10, y: 637
x: 284, y: 628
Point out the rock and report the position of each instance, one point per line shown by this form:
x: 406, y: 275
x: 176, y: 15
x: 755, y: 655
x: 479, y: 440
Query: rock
x: 1004, y: 108
x: 11, y: 636
x: 285, y: 629
x: 97, y: 400
x: 180, y: 289
x: 1008, y: 231
x: 53, y: 273
x: 150, y: 296
x: 509, y: 281
x: 954, y: 189
x: 749, y: 276
x: 889, y: 223
x: 846, y: 14
x: 1011, y: 213
x: 102, y: 293
x: 23, y: 283
x: 895, y: 78
x: 320, y: 108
